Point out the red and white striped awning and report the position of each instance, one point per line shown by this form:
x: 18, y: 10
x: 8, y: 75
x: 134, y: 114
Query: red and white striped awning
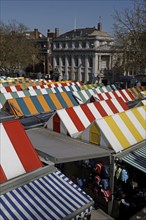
x: 5, y: 89
x: 125, y: 94
x: 75, y: 119
x: 17, y: 153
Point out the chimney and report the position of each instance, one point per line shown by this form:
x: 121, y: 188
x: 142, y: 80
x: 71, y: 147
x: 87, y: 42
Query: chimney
x: 56, y: 32
x: 48, y: 32
x: 36, y: 33
x: 99, y: 26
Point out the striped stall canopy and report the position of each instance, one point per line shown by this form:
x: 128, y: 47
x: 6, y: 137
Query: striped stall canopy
x: 113, y: 87
x: 141, y: 103
x: 62, y: 84
x: 51, y: 197
x: 65, y: 83
x: 45, y: 81
x: 122, y: 130
x: 67, y: 88
x: 10, y: 79
x: 9, y: 88
x: 137, y: 158
x: 84, y: 95
x: 75, y: 119
x: 39, y: 87
x: 109, y: 88
x: 23, y: 84
x: 143, y: 94
x: 125, y: 94
x: 136, y: 91
x: 105, y: 89
x: 19, y: 94
x: 56, y: 89
x: 89, y: 86
x: 38, y: 104
x: 17, y: 153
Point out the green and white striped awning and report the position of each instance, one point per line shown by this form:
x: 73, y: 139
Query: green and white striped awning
x: 137, y: 159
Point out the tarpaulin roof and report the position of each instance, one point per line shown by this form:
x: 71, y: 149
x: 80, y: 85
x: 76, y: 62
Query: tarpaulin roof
x: 41, y: 103
x: 124, y: 129
x: 5, y: 116
x: 17, y: 153
x: 75, y: 119
x: 52, y: 196
x: 60, y: 148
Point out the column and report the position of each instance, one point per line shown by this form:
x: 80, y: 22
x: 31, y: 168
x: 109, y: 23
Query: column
x: 72, y: 68
x: 79, y: 68
x: 60, y: 68
x: 86, y: 68
x: 99, y: 58
x: 94, y: 69
x: 66, y: 67
x: 54, y: 62
x: 110, y: 62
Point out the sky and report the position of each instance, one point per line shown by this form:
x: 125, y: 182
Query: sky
x: 62, y: 14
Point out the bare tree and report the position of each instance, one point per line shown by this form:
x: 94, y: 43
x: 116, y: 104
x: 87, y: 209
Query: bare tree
x: 130, y: 35
x: 16, y: 50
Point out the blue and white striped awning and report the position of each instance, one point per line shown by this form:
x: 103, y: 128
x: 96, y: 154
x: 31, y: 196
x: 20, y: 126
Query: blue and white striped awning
x: 51, y: 197
x: 137, y: 159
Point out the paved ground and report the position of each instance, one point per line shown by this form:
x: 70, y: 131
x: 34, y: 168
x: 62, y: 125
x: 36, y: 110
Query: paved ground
x: 100, y: 215
x: 141, y: 215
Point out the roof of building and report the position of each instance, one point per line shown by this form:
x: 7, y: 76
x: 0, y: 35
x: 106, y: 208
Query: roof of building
x: 35, y: 34
x: 85, y: 32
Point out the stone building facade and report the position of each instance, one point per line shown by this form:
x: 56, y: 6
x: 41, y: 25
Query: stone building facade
x: 84, y: 54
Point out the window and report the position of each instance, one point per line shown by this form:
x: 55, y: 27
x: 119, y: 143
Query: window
x: 76, y: 44
x: 63, y: 45
x: 83, y: 44
x: 63, y: 61
x: 57, y: 45
x: 70, y: 44
x: 57, y: 60
x: 69, y: 60
x: 76, y: 61
x: 90, y: 62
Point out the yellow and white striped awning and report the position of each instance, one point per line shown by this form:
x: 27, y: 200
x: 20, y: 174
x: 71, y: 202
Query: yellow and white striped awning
x: 143, y: 93
x: 124, y: 129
